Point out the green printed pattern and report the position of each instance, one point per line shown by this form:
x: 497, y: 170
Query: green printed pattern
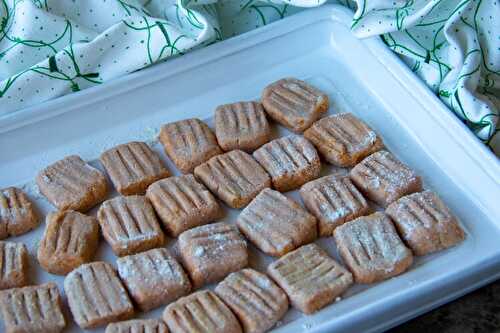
x: 454, y: 46
x: 49, y: 48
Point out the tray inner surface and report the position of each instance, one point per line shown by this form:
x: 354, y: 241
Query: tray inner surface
x: 89, y: 130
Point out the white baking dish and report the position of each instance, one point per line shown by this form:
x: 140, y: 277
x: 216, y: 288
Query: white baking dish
x: 361, y: 76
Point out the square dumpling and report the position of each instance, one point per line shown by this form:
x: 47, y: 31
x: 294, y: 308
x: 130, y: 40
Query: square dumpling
x: 276, y: 224
x: 129, y: 225
x: 70, y: 239
x: 235, y: 177
x: 334, y: 200
x: 294, y: 103
x: 71, y: 183
x: 425, y: 223
x: 153, y: 278
x: 241, y: 125
x: 343, y: 140
x: 188, y: 143
x: 183, y: 203
x: 17, y: 213
x: 200, y: 312
x: 13, y: 265
x: 384, y: 179
x: 32, y: 309
x: 212, y: 251
x: 372, y: 249
x: 138, y: 325
x: 310, y: 278
x: 132, y: 167
x: 96, y: 296
x: 291, y: 161
x: 254, y: 298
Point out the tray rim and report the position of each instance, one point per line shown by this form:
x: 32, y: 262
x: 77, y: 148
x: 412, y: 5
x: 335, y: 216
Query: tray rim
x: 389, y: 61
x: 483, y: 156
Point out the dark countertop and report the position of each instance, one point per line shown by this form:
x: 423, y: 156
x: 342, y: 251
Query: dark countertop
x: 477, y: 312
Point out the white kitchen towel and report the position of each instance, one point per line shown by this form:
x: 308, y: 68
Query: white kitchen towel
x: 49, y: 48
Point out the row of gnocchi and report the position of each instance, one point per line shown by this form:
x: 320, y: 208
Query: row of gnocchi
x: 373, y: 246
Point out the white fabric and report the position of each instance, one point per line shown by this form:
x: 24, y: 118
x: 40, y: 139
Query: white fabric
x: 49, y: 48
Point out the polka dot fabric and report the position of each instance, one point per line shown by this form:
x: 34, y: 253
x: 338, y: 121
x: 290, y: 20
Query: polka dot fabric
x: 49, y: 48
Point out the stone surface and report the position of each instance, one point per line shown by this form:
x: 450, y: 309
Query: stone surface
x: 477, y: 312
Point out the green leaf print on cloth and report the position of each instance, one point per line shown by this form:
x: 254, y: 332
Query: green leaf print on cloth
x: 49, y: 48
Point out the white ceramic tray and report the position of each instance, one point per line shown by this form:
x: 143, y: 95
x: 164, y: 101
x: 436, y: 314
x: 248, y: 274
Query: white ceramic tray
x: 360, y: 76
